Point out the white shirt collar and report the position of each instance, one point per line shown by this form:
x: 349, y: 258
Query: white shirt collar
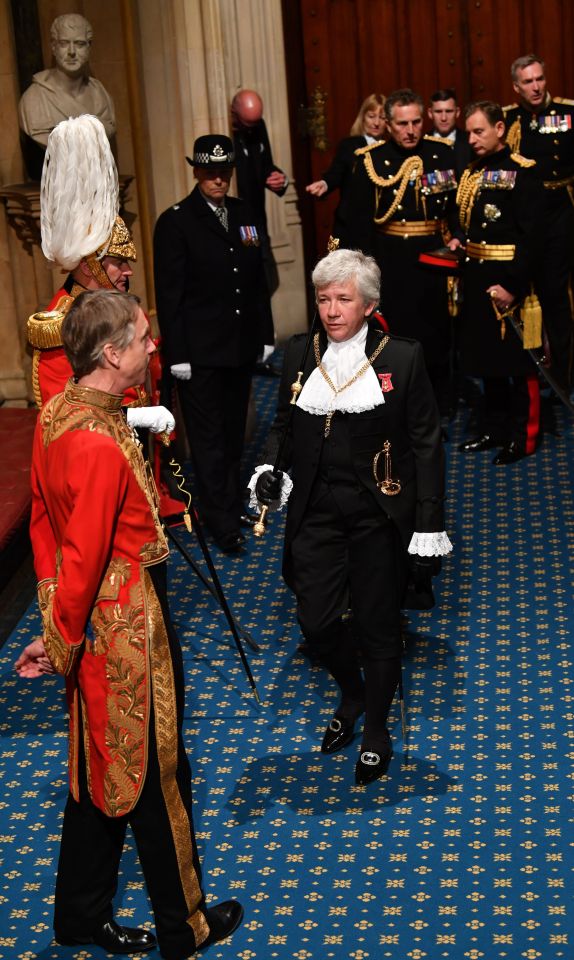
x: 341, y: 361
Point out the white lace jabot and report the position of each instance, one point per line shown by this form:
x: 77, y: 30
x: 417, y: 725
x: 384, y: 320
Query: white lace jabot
x: 342, y: 361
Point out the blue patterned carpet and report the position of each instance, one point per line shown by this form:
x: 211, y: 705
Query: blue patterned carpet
x: 465, y: 849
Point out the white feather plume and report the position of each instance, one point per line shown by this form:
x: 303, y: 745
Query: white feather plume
x: 79, y: 193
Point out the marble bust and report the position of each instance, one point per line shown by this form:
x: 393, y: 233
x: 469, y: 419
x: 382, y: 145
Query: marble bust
x: 67, y: 89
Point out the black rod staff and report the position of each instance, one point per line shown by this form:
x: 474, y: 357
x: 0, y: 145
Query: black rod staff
x: 176, y: 469
x: 296, y: 387
x: 244, y: 634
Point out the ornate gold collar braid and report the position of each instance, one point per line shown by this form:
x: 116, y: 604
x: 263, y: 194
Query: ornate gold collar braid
x: 337, y: 390
x: 76, y: 394
x: 411, y: 169
x: 468, y: 190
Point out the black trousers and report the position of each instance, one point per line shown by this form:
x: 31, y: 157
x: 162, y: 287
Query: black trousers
x: 346, y: 553
x: 214, y: 406
x: 512, y: 410
x: 553, y: 282
x: 92, y: 843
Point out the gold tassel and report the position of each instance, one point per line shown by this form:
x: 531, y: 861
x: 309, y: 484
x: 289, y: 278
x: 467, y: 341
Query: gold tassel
x: 531, y: 317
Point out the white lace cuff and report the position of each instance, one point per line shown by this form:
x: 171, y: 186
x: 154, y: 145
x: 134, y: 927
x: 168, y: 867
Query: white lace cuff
x: 430, y: 544
x: 286, y: 488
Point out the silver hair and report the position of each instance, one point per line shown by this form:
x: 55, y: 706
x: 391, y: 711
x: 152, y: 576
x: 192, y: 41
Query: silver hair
x: 522, y: 62
x: 342, y: 266
x: 64, y: 19
x: 98, y: 317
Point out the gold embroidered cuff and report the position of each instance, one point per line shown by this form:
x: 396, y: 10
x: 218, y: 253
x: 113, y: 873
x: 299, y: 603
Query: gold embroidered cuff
x: 412, y: 228
x: 44, y: 330
x: 490, y: 251
x: 61, y: 654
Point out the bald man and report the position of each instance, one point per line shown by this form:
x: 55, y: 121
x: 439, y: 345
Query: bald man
x: 254, y: 166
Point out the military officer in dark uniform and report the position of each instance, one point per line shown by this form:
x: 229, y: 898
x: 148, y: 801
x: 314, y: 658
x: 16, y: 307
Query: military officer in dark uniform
x: 408, y: 183
x: 443, y: 112
x: 541, y: 127
x: 214, y: 315
x: 500, y: 202
x: 367, y: 466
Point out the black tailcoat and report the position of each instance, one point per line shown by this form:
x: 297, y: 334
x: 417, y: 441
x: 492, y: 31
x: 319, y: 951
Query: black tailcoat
x: 409, y: 419
x: 212, y: 301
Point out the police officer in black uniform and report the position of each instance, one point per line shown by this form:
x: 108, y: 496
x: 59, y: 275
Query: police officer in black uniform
x: 397, y: 208
x: 541, y: 127
x: 214, y: 315
x: 500, y: 202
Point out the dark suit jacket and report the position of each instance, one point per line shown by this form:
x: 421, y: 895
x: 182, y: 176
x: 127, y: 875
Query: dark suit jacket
x: 339, y: 175
x: 212, y: 301
x: 253, y: 164
x: 409, y: 419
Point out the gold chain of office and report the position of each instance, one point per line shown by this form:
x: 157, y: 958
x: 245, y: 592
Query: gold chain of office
x: 411, y: 169
x: 337, y: 390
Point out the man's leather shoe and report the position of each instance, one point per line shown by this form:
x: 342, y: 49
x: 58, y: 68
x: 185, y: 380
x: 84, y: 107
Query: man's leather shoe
x: 232, y: 543
x: 338, y: 734
x: 115, y: 939
x: 485, y: 442
x: 266, y: 370
x: 248, y: 519
x: 222, y: 920
x: 512, y: 452
x: 372, y: 764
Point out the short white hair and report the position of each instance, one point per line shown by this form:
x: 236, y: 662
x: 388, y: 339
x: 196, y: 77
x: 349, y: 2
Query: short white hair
x: 342, y: 266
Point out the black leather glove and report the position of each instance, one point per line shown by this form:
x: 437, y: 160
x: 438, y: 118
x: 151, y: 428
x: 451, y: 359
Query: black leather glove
x: 419, y: 593
x: 268, y: 487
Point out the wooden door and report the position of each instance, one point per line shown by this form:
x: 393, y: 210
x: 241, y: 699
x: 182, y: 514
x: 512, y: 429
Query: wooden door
x: 339, y: 51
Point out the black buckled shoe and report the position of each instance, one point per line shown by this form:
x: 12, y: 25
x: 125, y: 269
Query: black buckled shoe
x: 510, y: 453
x: 248, y: 519
x: 373, y: 764
x: 338, y: 734
x: 222, y: 920
x: 232, y: 543
x: 485, y: 442
x: 114, y: 939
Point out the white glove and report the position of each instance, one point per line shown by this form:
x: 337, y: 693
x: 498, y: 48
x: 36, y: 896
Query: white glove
x: 157, y: 419
x: 181, y: 371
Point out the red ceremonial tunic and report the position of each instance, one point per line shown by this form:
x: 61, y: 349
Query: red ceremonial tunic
x: 94, y: 530
x: 51, y: 368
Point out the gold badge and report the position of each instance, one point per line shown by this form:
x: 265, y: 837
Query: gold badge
x: 491, y: 212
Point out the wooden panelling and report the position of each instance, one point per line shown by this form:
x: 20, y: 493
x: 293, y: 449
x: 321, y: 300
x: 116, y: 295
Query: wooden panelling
x: 354, y: 47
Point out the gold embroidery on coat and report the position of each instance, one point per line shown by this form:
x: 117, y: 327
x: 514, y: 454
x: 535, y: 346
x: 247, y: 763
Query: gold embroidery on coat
x: 166, y: 733
x: 115, y: 577
x: 122, y: 630
x: 62, y: 655
x: 82, y: 408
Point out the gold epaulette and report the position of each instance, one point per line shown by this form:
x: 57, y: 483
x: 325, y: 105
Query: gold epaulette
x: 445, y: 140
x: 370, y: 146
x: 509, y: 106
x: 514, y: 136
x: 569, y: 103
x: 44, y: 329
x: 522, y: 161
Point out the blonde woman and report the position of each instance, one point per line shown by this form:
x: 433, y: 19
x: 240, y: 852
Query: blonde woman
x: 368, y: 126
